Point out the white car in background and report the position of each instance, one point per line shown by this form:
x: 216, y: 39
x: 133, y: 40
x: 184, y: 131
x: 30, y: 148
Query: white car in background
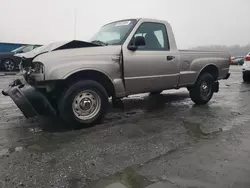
x: 246, y: 68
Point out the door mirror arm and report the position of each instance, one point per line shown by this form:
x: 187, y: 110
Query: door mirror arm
x: 138, y: 41
x: 132, y: 47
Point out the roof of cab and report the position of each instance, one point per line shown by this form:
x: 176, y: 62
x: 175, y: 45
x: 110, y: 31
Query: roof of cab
x: 137, y: 19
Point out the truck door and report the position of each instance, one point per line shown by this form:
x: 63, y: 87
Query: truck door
x: 151, y: 67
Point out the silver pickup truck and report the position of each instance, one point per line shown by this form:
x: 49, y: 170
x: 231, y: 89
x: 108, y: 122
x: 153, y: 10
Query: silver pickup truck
x: 74, y: 80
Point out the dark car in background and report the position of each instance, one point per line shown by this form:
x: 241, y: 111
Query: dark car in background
x: 239, y: 60
x: 10, y: 62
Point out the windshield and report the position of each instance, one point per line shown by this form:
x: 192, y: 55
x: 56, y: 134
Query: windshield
x: 114, y: 33
x: 24, y: 49
x: 17, y: 49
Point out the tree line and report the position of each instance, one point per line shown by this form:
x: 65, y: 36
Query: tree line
x: 235, y: 50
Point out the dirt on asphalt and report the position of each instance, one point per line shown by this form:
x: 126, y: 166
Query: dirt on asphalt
x: 153, y: 141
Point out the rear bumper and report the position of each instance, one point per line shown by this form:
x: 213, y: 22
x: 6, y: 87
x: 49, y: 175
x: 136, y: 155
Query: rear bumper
x: 29, y: 100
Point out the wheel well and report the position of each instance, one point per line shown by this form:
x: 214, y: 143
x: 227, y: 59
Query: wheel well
x: 97, y: 76
x: 212, y: 69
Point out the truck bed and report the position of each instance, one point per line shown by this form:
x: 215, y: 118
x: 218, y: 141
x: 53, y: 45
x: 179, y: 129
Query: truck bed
x: 192, y: 62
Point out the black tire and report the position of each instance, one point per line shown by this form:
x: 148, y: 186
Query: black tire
x: 9, y: 65
x: 197, y: 92
x: 155, y: 92
x: 65, y: 105
x: 246, y: 78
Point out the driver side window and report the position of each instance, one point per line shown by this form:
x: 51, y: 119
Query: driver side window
x: 155, y: 35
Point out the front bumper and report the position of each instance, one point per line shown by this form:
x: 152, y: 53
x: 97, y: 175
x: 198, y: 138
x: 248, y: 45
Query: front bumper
x: 29, y: 100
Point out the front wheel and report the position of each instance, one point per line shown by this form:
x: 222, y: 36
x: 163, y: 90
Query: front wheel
x: 84, y: 104
x: 203, y: 90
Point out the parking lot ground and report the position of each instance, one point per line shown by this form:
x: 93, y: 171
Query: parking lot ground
x: 7, y: 73
x: 154, y: 141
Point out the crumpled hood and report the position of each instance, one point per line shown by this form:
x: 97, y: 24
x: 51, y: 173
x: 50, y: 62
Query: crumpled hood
x: 63, y: 45
x: 65, y: 57
x: 79, y: 55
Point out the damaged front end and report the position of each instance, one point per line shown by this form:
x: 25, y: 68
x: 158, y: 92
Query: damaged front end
x: 29, y: 99
x: 32, y: 71
x: 26, y: 91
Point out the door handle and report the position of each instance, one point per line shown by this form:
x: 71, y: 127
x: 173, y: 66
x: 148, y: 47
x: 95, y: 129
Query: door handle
x: 170, y: 58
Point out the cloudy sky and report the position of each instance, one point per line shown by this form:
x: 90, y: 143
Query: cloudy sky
x: 194, y: 22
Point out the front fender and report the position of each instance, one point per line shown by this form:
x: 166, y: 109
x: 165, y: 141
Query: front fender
x: 109, y: 68
x: 62, y: 71
x: 86, y: 69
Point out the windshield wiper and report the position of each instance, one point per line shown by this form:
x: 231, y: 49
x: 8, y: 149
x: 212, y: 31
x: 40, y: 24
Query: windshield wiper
x: 99, y: 42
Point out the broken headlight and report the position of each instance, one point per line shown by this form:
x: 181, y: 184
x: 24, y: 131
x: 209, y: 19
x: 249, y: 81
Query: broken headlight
x: 31, y: 67
x: 38, y: 67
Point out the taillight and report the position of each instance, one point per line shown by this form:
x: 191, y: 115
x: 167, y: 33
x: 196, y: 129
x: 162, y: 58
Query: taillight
x: 230, y: 60
x: 247, y: 58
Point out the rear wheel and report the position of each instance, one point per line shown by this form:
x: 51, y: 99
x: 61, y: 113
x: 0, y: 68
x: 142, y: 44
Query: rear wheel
x: 9, y: 65
x: 202, y: 91
x: 84, y: 104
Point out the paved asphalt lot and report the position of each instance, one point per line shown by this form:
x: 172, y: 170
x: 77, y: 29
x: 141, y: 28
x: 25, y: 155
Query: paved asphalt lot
x: 154, y: 141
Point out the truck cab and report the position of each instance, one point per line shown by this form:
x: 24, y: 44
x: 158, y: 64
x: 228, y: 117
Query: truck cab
x: 153, y: 64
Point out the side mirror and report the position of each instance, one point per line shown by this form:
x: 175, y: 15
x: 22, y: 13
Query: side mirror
x: 138, y: 41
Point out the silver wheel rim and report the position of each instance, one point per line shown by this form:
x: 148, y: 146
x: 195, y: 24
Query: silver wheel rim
x: 86, y: 105
x: 9, y: 65
x: 205, y: 90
